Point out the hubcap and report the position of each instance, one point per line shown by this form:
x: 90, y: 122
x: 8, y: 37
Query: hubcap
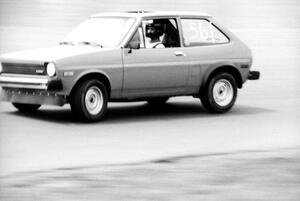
x: 94, y: 100
x: 223, y: 92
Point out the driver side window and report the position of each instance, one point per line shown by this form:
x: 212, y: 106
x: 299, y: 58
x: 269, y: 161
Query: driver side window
x: 161, y: 33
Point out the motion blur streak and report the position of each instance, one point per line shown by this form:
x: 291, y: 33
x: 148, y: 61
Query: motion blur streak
x: 268, y: 175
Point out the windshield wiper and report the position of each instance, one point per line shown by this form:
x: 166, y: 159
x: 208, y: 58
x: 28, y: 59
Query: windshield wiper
x: 66, y: 43
x: 90, y: 43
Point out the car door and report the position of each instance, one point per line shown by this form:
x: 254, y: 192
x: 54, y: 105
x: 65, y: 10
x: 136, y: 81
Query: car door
x: 156, y: 71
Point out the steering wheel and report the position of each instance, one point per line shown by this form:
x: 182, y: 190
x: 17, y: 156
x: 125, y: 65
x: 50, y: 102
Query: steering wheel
x: 158, y: 44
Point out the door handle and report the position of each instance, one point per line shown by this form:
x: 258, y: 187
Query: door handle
x: 179, y: 53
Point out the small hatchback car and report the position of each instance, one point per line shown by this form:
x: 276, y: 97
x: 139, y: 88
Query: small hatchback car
x: 130, y: 56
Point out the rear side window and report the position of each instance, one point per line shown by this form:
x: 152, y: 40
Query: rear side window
x: 197, y: 32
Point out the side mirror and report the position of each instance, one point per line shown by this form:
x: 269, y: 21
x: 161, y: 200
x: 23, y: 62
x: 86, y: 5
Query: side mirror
x: 134, y: 45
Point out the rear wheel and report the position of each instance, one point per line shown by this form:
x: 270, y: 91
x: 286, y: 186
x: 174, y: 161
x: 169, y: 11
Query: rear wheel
x: 23, y: 107
x: 157, y: 101
x: 220, y: 93
x: 89, y: 100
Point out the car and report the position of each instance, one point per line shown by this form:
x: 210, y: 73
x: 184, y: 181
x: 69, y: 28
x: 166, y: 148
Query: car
x: 131, y: 56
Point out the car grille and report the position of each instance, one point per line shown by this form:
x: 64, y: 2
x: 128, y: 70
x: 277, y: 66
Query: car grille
x: 30, y: 69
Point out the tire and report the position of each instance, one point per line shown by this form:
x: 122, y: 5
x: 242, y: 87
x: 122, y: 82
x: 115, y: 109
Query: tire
x: 89, y: 101
x: 23, y: 107
x: 157, y: 101
x: 220, y: 93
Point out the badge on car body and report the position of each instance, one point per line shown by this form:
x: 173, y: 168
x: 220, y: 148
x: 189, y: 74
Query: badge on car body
x: 39, y: 71
x: 68, y: 73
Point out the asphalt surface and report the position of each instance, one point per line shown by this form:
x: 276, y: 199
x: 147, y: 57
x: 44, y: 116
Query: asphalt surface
x: 263, y: 175
x: 266, y: 115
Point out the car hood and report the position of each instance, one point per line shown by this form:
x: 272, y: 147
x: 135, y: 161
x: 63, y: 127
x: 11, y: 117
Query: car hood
x: 50, y: 54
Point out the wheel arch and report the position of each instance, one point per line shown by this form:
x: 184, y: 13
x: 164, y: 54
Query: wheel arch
x: 93, y: 75
x: 231, y: 69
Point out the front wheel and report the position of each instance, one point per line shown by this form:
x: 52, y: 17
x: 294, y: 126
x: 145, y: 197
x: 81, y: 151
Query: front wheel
x: 220, y: 93
x: 23, y: 107
x: 89, y: 100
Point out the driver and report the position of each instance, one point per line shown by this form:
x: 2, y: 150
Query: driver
x: 154, y: 31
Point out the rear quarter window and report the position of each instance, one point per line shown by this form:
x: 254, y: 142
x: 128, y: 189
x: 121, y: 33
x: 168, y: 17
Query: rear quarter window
x: 198, y: 32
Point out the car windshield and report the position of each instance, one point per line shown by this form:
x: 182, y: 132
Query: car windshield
x: 100, y: 31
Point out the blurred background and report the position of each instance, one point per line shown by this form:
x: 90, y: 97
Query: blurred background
x: 38, y: 23
x: 178, y: 153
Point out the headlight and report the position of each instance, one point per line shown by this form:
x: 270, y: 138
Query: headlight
x: 51, y: 69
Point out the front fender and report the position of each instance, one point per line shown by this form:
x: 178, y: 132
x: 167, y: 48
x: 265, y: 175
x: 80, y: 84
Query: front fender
x: 69, y: 81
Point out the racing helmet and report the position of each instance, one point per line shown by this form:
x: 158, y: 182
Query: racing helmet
x: 154, y: 30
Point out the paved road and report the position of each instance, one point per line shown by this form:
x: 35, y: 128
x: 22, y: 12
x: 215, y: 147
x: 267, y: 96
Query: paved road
x: 266, y: 114
x: 262, y: 175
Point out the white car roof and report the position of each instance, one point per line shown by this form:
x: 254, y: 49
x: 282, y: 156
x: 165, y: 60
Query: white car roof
x: 141, y: 14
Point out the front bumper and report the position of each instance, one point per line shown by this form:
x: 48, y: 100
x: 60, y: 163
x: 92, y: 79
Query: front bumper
x: 32, y: 97
x: 253, y: 75
x: 31, y: 90
x: 30, y: 82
